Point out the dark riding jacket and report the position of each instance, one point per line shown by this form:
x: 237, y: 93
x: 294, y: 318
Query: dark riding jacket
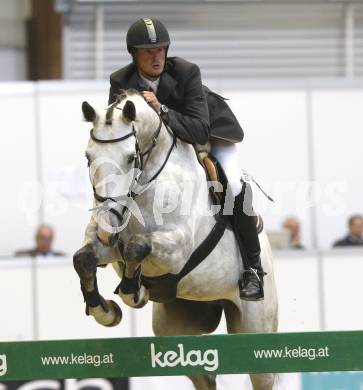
x: 195, y: 112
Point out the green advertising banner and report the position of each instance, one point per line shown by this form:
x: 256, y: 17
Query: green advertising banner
x: 215, y: 354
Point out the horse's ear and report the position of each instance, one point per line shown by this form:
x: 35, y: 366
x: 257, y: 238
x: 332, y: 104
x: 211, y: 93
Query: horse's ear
x: 129, y: 111
x: 88, y: 112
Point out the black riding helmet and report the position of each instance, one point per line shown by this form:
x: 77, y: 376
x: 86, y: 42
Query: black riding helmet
x: 147, y: 33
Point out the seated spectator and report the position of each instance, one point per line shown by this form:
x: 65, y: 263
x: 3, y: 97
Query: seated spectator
x: 355, y: 235
x: 292, y: 225
x: 43, y: 244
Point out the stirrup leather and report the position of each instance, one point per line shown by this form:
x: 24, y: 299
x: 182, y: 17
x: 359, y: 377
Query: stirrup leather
x: 254, y: 271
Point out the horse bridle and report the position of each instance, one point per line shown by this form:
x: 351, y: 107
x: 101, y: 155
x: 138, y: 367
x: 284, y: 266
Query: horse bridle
x: 139, y: 164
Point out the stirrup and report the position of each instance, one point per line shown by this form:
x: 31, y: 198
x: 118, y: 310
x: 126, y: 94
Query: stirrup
x: 243, y: 282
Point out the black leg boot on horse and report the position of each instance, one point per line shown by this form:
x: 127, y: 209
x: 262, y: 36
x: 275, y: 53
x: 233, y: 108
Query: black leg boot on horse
x: 251, y: 284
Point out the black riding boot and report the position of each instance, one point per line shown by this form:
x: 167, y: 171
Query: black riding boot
x: 251, y: 285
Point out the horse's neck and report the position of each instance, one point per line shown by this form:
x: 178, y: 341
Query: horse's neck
x: 183, y: 174
x: 180, y: 164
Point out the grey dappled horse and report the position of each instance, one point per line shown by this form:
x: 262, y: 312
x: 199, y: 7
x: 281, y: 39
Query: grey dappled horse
x: 148, y: 222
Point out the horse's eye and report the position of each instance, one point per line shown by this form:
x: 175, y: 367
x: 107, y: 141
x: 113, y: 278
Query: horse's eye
x: 131, y: 158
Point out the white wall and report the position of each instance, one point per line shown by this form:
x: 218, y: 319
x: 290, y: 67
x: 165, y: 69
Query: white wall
x: 19, y: 160
x: 337, y: 128
x: 44, y: 140
x: 63, y: 140
x: 274, y: 150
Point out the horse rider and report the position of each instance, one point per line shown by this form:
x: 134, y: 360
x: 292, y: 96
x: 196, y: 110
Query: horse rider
x: 173, y: 87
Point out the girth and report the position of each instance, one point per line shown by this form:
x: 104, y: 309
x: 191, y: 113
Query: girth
x: 164, y: 288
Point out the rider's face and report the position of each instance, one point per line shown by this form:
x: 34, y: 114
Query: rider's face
x: 150, y: 62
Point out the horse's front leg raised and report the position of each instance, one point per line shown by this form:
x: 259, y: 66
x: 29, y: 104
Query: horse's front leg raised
x: 163, y: 248
x: 105, y: 312
x: 132, y: 292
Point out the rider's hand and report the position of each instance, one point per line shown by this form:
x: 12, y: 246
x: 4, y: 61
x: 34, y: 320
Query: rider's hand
x: 151, y: 99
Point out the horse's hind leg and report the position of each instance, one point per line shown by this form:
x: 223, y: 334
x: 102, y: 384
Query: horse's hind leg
x: 203, y: 382
x: 238, y: 323
x: 105, y: 312
x: 188, y: 318
x: 262, y: 381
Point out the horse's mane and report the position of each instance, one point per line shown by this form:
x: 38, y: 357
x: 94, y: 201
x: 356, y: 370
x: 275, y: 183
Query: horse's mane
x: 122, y: 95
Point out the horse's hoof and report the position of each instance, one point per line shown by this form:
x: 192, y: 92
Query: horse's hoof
x: 118, y: 313
x: 111, y: 317
x: 142, y: 298
x: 137, y: 300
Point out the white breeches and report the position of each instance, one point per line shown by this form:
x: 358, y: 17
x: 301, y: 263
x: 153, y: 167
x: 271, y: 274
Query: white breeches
x: 227, y: 155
